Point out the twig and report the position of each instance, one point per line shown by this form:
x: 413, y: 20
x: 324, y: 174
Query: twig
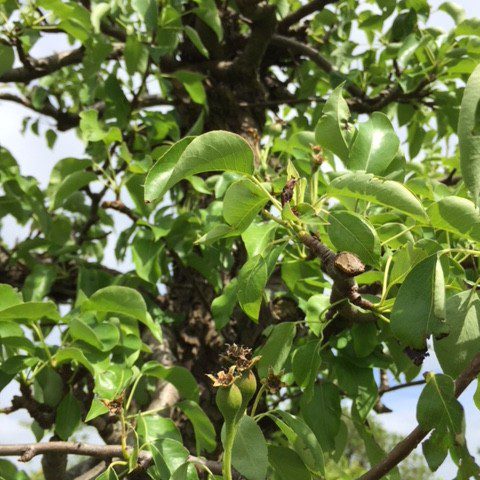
x: 301, y: 13
x: 120, y: 207
x: 388, y: 389
x: 408, y: 444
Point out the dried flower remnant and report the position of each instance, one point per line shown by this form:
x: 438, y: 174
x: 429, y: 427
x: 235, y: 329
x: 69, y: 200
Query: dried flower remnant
x: 273, y: 382
x: 287, y: 192
x: 240, y: 356
x: 222, y: 378
x: 114, y: 406
x: 317, y: 155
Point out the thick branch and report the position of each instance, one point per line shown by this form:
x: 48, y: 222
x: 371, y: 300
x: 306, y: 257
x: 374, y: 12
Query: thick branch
x: 67, y: 120
x: 408, y: 444
x: 263, y: 26
x: 43, y: 66
x: 342, y: 268
x: 302, y: 12
x: 29, y: 451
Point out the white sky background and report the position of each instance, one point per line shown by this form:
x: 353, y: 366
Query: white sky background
x: 37, y: 160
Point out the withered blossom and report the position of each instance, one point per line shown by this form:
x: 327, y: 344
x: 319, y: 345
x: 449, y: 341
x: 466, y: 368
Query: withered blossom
x: 273, y: 381
x: 222, y: 378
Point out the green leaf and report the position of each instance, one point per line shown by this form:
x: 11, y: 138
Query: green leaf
x: 136, y: 55
x: 31, y: 311
x: 168, y: 455
x: 210, y: 152
x: 79, y: 330
x: 374, y: 451
x: 108, y: 474
x: 322, y: 413
x: 9, y: 297
x: 111, y: 383
x: 359, y: 383
x: 258, y: 236
x: 476, y: 396
x: 330, y: 131
x: 179, y: 377
x: 469, y: 135
x: 408, y: 48
x: 151, y: 428
x: 419, y: 309
x: 287, y: 464
x: 365, y: 186
x: 252, y: 279
x: 437, y: 404
x: 49, y: 387
x: 69, y: 354
x: 375, y: 145
x: 160, y: 173
x: 303, y: 441
x: 435, y: 448
x: 7, y: 57
x: 463, y: 319
x: 454, y: 10
x: 146, y: 258
x: 147, y: 10
x: 67, y: 417
x: 222, y: 306
x: 181, y: 473
x: 196, y: 40
x: 242, y: 202
x: 202, y: 426
x: 97, y: 408
x: 249, y: 453
x: 317, y: 307
x: 192, y: 81
x: 38, y: 282
x: 277, y: 347
x: 351, y: 233
x: 469, y: 26
x: 116, y: 299
x: 99, y: 10
x: 71, y: 183
x: 457, y: 215
x: 208, y: 12
x: 305, y: 364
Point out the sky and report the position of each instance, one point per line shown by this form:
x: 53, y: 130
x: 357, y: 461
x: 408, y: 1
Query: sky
x: 37, y: 160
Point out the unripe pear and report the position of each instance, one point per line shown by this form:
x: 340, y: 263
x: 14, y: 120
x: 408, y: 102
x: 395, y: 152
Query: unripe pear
x: 247, y: 385
x: 229, y: 402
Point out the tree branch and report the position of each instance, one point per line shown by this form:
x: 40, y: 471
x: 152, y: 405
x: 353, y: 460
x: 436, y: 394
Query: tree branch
x: 65, y: 120
x: 302, y: 12
x: 400, y: 386
x: 262, y: 28
x: 41, y: 67
x: 408, y: 444
x: 28, y: 451
x: 308, y: 51
x: 120, y: 207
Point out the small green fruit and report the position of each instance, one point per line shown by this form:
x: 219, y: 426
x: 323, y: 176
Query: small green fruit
x: 229, y: 402
x: 247, y: 385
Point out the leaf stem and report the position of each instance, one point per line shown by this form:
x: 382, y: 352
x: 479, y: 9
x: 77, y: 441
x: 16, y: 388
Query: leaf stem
x: 38, y: 331
x: 262, y: 390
